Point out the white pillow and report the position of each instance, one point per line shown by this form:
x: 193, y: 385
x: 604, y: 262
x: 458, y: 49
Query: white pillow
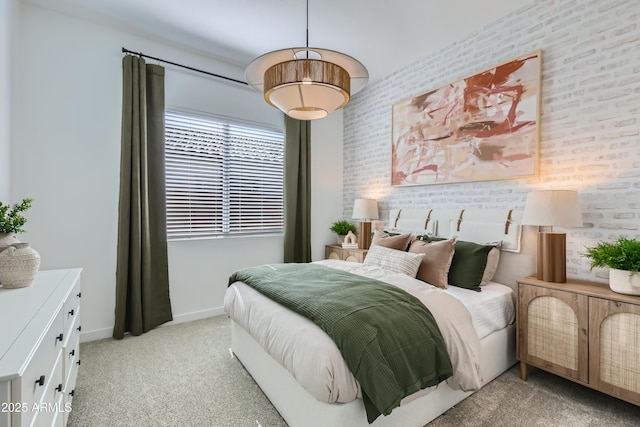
x: 394, y: 260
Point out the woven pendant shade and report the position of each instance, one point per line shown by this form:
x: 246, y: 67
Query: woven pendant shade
x: 306, y: 83
x: 306, y: 88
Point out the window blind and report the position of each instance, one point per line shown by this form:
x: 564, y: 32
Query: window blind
x: 222, y: 177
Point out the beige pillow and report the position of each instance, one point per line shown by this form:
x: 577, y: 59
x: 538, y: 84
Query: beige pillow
x: 434, y: 268
x: 400, y: 242
x: 493, y: 258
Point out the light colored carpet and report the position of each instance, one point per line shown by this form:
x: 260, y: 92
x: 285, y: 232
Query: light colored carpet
x: 184, y: 375
x: 180, y: 375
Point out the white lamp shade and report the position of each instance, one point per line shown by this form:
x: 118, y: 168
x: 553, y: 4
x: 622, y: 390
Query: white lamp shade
x: 307, y: 101
x: 365, y: 209
x: 552, y: 208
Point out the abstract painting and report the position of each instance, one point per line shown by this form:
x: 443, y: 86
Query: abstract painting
x: 480, y: 128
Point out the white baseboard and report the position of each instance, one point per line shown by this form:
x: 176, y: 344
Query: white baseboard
x: 195, y: 315
x: 95, y: 335
x: 99, y: 334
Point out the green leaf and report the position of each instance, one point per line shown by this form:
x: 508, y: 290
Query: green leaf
x: 623, y: 254
x: 342, y: 227
x: 11, y: 221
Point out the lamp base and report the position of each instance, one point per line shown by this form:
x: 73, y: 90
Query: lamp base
x: 552, y: 257
x: 364, y: 235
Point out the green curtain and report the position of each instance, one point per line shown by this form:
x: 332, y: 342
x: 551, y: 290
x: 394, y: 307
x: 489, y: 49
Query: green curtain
x: 297, y: 190
x: 142, y: 274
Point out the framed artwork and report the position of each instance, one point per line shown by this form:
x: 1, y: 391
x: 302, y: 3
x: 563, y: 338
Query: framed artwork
x: 480, y: 128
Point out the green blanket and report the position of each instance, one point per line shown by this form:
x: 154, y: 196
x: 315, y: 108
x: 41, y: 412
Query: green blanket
x: 388, y: 338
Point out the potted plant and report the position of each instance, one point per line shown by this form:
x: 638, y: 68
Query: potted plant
x: 11, y: 221
x: 342, y: 228
x: 623, y: 259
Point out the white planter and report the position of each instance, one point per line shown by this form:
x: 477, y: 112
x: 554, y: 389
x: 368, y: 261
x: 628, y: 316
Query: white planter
x: 624, y: 283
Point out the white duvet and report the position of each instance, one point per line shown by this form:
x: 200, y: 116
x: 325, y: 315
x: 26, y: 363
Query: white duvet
x: 313, y: 358
x: 491, y: 310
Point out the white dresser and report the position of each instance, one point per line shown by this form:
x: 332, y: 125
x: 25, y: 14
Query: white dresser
x: 39, y: 349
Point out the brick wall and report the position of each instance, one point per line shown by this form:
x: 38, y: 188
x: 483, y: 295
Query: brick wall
x: 590, y: 119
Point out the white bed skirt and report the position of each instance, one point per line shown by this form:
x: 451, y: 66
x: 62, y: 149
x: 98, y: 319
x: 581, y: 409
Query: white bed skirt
x: 300, y: 409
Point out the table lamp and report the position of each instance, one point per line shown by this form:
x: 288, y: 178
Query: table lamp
x: 365, y: 209
x: 549, y: 208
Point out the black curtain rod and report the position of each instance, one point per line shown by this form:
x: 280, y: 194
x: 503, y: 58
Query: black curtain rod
x: 125, y: 50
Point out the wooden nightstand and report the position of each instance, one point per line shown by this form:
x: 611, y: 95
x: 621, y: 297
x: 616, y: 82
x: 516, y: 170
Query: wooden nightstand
x: 582, y: 331
x: 351, y: 255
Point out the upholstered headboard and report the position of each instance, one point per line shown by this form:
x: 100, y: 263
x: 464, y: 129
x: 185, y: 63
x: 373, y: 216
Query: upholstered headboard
x: 518, y: 249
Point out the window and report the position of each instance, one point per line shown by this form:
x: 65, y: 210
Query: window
x: 222, y: 177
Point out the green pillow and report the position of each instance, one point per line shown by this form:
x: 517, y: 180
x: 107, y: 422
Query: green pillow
x: 468, y: 264
x: 430, y: 239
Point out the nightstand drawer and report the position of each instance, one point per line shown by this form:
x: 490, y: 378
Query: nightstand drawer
x: 345, y: 254
x: 553, y: 331
x: 333, y: 254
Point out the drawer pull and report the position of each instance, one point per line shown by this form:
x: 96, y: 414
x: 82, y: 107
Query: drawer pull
x: 79, y: 328
x: 40, y: 381
x: 79, y: 295
x: 72, y: 392
x: 78, y: 362
x: 60, y: 337
x: 71, y: 313
x: 59, y: 388
x: 72, y: 352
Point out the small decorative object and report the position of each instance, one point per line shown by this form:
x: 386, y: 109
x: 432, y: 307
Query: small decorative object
x: 19, y: 265
x: 623, y: 259
x: 342, y: 228
x: 350, y: 238
x: 19, y: 262
x: 350, y: 241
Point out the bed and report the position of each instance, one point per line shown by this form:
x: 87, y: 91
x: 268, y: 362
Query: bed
x: 295, y: 365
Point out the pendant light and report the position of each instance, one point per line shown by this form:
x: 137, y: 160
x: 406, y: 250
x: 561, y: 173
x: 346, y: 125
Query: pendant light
x: 306, y: 83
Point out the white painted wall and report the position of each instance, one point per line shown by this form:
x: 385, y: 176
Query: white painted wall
x: 326, y: 181
x: 68, y: 125
x: 8, y: 19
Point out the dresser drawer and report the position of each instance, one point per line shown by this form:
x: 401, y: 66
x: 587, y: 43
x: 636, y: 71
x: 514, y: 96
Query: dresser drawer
x: 70, y: 368
x: 72, y: 333
x: 71, y: 306
x: 70, y: 385
x: 40, y: 367
x: 49, y: 409
x: 42, y: 412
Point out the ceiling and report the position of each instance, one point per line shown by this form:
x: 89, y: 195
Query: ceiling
x: 384, y: 35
